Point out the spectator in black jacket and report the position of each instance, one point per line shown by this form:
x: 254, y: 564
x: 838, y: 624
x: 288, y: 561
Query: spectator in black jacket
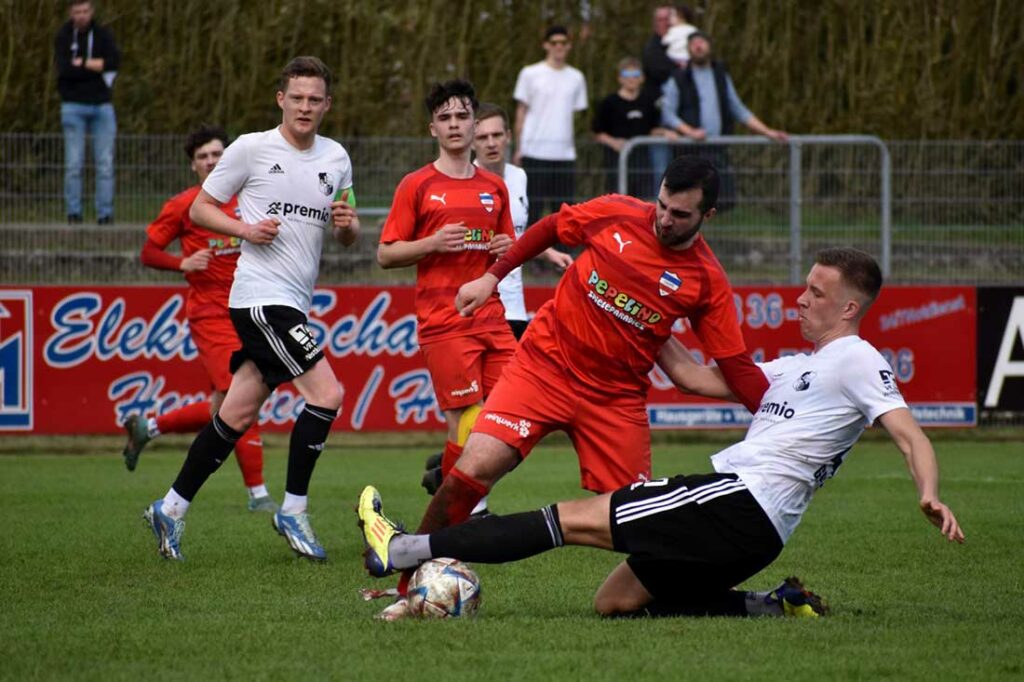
x: 657, y: 64
x: 87, y: 62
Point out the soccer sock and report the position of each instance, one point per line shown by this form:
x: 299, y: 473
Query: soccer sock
x: 188, y: 419
x: 258, y: 491
x: 249, y: 452
x: 409, y: 551
x: 294, y: 504
x: 210, y: 448
x: 498, y: 539
x: 449, y: 457
x: 760, y: 604
x: 175, y: 505
x: 307, y: 442
x: 480, y: 507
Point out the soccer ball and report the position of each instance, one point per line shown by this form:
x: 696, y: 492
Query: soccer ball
x: 444, y: 588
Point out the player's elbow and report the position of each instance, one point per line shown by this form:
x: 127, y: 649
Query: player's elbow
x: 385, y: 258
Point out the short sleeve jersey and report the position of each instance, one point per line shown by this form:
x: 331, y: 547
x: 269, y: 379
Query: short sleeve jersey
x: 552, y: 96
x: 273, y: 179
x: 510, y: 289
x: 624, y: 118
x: 209, y: 288
x: 425, y: 201
x: 814, y: 410
x: 615, y: 306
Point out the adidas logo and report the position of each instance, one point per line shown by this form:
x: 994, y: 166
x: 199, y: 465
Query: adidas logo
x: 276, y: 170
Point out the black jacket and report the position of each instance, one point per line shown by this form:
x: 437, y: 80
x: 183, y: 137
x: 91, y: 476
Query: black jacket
x: 77, y: 83
x: 689, y: 100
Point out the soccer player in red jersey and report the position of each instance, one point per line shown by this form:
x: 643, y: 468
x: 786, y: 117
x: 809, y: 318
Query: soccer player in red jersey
x: 583, y: 363
x: 451, y: 219
x: 208, y: 261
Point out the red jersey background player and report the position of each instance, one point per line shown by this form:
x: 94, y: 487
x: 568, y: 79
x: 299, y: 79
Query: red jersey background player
x: 583, y: 363
x: 452, y: 219
x: 208, y: 260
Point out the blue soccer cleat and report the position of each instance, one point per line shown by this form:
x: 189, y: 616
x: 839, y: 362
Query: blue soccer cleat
x: 797, y: 601
x: 300, y: 536
x: 168, y: 531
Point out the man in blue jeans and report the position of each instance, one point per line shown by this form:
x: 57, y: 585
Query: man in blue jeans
x: 87, y: 62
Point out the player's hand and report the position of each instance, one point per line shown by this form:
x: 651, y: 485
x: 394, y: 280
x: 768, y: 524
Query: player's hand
x: 263, y: 232
x: 500, y: 243
x: 200, y: 260
x: 450, y: 238
x: 778, y: 135
x: 698, y: 134
x: 474, y: 294
x: 560, y: 260
x: 345, y: 219
x: 942, y: 518
x: 77, y: 61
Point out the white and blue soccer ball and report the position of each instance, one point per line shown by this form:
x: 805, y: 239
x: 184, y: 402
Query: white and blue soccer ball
x: 444, y: 588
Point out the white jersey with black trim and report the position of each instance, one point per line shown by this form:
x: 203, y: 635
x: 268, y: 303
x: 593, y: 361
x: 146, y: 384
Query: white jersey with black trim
x: 510, y: 289
x: 273, y: 179
x: 815, y: 409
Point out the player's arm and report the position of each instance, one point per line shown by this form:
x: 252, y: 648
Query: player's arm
x: 399, y: 254
x: 168, y: 227
x: 207, y: 213
x: 690, y: 376
x: 924, y: 469
x: 541, y: 236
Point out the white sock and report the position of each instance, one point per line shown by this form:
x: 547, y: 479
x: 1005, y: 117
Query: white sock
x: 175, y: 505
x: 481, y: 506
x: 409, y: 551
x: 152, y: 428
x: 759, y: 604
x: 258, y: 491
x: 293, y: 504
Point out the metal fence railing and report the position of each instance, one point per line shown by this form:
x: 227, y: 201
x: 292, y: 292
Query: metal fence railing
x: 957, y: 208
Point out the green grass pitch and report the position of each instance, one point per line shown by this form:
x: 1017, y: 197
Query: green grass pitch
x: 84, y: 594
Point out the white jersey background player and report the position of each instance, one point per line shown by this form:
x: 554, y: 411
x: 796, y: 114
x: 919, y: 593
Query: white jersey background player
x: 692, y: 538
x: 292, y: 185
x: 490, y: 144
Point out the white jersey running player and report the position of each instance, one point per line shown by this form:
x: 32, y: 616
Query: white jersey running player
x: 292, y: 186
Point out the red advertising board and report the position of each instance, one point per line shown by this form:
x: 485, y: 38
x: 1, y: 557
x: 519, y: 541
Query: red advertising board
x: 81, y: 359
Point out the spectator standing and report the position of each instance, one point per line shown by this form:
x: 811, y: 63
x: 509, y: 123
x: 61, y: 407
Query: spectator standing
x: 87, y: 61
x: 700, y: 101
x: 658, y: 66
x: 629, y: 112
x: 547, y: 95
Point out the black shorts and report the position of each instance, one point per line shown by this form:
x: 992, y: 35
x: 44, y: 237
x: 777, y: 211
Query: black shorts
x: 277, y: 340
x: 704, y: 531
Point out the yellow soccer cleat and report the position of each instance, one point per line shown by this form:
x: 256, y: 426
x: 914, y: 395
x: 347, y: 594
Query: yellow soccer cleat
x: 377, y: 533
x: 797, y: 601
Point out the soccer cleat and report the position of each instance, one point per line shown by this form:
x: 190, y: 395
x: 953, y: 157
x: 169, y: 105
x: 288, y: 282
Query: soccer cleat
x: 300, y: 536
x: 377, y: 533
x: 168, y: 531
x: 798, y: 601
x: 138, y: 436
x: 432, y: 473
x: 265, y: 503
x: 396, y: 611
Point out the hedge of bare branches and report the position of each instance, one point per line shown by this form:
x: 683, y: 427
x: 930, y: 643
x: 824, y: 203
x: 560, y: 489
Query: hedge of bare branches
x: 897, y: 68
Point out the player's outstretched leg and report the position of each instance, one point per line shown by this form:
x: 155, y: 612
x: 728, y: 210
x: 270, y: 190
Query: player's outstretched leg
x: 140, y: 430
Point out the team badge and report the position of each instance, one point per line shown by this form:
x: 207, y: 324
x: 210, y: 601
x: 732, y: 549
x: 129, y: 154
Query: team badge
x: 487, y: 200
x: 326, y: 186
x: 669, y: 283
x: 804, y: 382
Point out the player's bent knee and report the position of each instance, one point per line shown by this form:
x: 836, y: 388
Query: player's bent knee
x: 487, y: 459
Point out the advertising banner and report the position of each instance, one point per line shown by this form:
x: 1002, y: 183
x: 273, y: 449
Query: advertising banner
x: 1001, y: 351
x: 82, y: 359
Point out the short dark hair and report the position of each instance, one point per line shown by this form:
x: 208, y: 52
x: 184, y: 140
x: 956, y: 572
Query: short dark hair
x: 858, y: 269
x: 698, y: 34
x: 440, y: 93
x: 687, y: 13
x: 693, y: 172
x: 555, y: 30
x: 304, y: 67
x: 204, y: 134
x: 487, y: 110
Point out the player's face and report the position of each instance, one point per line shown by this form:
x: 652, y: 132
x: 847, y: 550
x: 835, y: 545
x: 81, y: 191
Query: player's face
x: 206, y: 157
x: 303, y: 105
x: 81, y: 15
x: 678, y: 218
x: 824, y: 304
x: 453, y: 125
x: 490, y: 140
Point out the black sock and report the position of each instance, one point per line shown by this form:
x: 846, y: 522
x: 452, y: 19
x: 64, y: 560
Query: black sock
x: 208, y: 451
x: 497, y: 539
x: 307, y: 442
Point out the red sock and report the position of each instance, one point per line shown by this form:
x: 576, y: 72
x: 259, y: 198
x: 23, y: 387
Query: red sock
x: 449, y: 457
x: 188, y: 419
x: 451, y: 504
x: 249, y: 453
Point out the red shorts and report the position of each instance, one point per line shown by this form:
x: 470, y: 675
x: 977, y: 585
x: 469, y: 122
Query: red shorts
x: 216, y: 340
x: 464, y: 369
x: 612, y: 436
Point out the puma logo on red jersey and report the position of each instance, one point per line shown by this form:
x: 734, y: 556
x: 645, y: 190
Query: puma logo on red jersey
x: 439, y: 197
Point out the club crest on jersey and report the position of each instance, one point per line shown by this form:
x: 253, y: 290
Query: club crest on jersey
x: 487, y: 200
x: 804, y: 382
x: 669, y: 283
x: 326, y: 186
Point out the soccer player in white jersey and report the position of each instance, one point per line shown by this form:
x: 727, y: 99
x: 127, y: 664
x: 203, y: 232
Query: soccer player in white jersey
x: 292, y: 185
x: 692, y: 539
